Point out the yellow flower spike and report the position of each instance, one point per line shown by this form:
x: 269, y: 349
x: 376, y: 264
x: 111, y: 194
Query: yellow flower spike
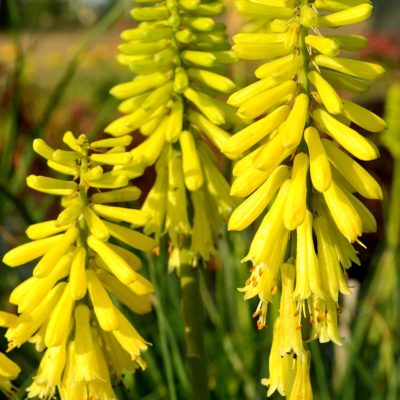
x: 356, y: 68
x: 347, y: 137
x: 308, y: 277
x: 327, y: 93
x: 320, y: 171
x: 343, y: 213
x: 302, y: 389
x: 353, y: 172
x: 290, y: 328
x: 191, y: 165
x: 85, y: 355
x: 114, y: 262
x: 353, y: 15
x: 59, y: 324
x: 247, y: 137
x: 49, y: 373
x: 295, y: 123
x: 332, y: 277
x: 323, y: 44
x: 294, y: 210
x: 363, y: 117
x: 47, y: 262
x: 252, y: 207
x: 137, y: 303
x: 264, y: 101
x: 126, y: 194
x: 130, y: 237
x: 77, y: 279
x: 174, y: 127
x: 29, y: 251
x: 102, y: 305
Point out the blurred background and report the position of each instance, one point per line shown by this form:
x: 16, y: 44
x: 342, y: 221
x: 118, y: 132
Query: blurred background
x: 57, y: 64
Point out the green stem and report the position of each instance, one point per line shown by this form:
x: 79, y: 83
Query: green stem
x: 192, y: 311
x: 161, y: 320
x: 393, y: 220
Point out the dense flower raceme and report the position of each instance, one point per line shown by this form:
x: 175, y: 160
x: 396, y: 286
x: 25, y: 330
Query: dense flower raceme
x: 300, y: 173
x: 67, y: 308
x: 178, y: 53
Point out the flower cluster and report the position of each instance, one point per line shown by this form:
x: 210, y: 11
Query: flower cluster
x: 178, y: 53
x: 67, y: 308
x: 300, y: 172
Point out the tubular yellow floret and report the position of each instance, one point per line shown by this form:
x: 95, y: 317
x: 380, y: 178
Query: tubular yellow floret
x: 320, y: 170
x: 294, y: 211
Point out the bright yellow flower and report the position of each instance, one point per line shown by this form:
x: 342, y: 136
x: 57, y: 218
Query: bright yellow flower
x: 301, y: 146
x: 78, y: 270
